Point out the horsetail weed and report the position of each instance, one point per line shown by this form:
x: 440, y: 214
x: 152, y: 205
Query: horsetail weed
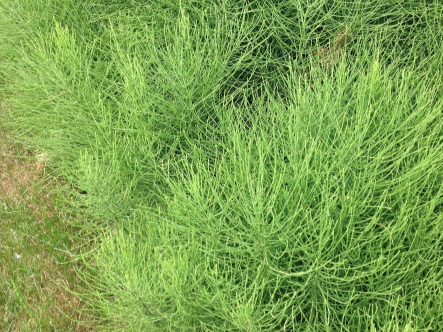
x: 233, y: 179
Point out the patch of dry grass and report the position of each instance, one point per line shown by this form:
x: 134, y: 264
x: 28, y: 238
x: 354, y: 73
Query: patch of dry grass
x: 36, y: 276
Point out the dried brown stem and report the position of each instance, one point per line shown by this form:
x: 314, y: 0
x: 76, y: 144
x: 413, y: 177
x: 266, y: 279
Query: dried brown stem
x: 61, y: 93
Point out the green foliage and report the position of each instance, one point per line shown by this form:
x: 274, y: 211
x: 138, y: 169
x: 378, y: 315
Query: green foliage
x: 236, y: 179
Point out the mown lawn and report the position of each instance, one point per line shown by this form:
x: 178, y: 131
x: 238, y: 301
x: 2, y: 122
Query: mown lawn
x: 36, y: 279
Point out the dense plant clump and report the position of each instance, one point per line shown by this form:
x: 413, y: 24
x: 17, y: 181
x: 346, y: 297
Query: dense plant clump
x: 244, y: 165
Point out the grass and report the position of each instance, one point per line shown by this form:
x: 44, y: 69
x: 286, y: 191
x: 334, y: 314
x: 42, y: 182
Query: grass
x: 240, y: 168
x: 36, y: 280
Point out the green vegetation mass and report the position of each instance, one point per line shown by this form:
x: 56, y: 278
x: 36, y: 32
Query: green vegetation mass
x: 241, y: 165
